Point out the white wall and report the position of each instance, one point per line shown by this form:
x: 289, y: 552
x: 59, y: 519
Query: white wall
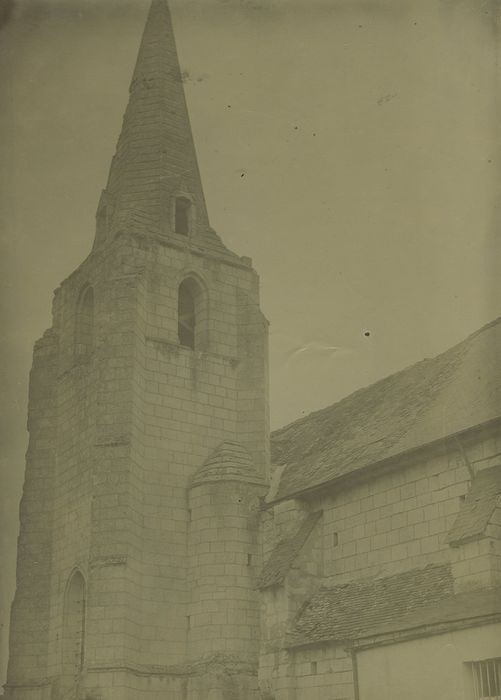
x: 426, y: 669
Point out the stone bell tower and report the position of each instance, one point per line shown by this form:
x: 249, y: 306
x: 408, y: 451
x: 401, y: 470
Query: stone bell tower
x: 148, y: 450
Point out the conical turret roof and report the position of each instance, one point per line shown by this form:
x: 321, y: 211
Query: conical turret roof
x: 228, y: 462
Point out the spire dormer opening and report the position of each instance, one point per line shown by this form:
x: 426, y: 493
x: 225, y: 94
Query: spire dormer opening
x: 183, y: 216
x: 173, y: 200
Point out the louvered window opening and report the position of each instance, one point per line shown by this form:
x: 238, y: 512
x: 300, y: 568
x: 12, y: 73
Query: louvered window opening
x: 487, y: 679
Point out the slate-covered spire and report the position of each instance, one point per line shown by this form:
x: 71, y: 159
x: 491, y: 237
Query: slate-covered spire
x: 155, y: 163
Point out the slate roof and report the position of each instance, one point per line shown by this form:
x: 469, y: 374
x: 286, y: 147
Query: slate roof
x: 155, y: 158
x: 228, y: 462
x: 428, y: 401
x: 478, y: 507
x: 286, y: 551
x: 373, y: 606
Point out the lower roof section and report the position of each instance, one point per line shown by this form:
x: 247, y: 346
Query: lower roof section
x: 381, y: 611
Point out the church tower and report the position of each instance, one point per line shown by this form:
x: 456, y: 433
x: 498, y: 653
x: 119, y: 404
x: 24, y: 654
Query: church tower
x: 148, y: 450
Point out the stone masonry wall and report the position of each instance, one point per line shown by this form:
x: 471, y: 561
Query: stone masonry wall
x: 396, y: 521
x: 134, y: 416
x: 322, y: 672
x: 223, y: 552
x: 96, y: 523
x: 187, y: 402
x: 30, y: 615
x: 399, y: 521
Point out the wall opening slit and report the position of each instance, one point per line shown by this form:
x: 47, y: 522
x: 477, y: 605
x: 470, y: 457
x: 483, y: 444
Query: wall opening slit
x: 73, y: 646
x: 182, y: 216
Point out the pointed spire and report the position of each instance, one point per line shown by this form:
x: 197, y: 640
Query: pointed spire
x: 155, y: 163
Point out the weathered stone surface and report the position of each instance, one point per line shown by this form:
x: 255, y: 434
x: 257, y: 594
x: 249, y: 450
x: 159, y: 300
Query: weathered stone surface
x: 152, y: 565
x: 130, y: 585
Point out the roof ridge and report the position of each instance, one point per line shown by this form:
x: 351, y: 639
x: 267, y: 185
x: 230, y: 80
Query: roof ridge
x: 457, y: 390
x: 397, y: 373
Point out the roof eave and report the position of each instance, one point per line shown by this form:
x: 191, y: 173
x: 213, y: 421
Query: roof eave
x: 389, y: 463
x: 363, y: 642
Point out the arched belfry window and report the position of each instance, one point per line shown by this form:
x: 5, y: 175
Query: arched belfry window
x: 73, y: 642
x: 84, y: 336
x: 183, y: 215
x: 192, y: 315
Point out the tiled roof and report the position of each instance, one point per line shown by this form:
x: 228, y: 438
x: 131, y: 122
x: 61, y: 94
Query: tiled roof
x: 286, y: 551
x: 478, y: 506
x: 361, y: 609
x: 426, y: 402
x: 481, y: 605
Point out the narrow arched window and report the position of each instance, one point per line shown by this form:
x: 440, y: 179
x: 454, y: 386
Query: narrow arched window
x: 182, y: 216
x: 84, y: 337
x: 187, y: 320
x: 73, y: 629
x: 192, y: 315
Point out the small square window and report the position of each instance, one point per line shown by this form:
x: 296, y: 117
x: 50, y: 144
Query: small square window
x: 335, y: 539
x: 313, y: 668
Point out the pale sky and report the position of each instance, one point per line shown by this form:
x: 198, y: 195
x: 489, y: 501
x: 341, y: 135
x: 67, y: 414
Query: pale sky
x: 366, y: 132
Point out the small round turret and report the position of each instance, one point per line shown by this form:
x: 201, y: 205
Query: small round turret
x: 224, y: 502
